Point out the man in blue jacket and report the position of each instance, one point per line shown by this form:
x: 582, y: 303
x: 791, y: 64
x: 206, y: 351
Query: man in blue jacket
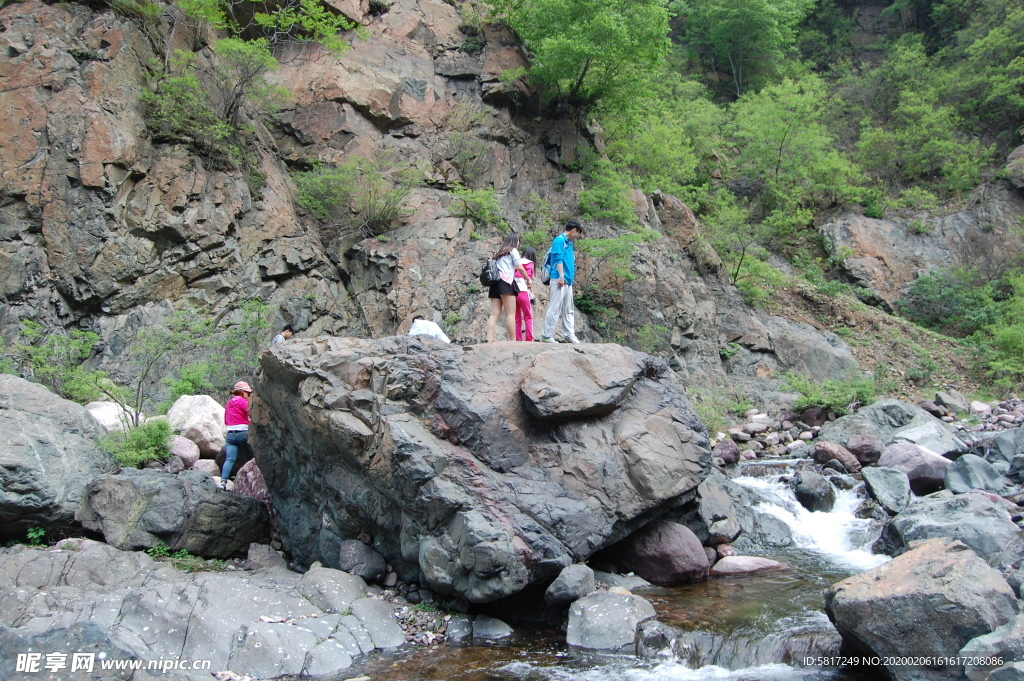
x: 562, y: 267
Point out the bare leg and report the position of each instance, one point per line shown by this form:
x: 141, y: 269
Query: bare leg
x: 492, y: 321
x: 509, y: 302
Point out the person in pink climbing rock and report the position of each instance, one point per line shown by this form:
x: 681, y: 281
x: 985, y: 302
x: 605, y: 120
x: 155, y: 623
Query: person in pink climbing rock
x: 236, y: 422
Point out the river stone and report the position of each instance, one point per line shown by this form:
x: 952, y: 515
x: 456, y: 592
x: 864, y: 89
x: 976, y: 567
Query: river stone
x: 664, y: 553
x: 813, y: 491
x: 429, y: 449
x: 200, y: 418
x: 825, y: 451
x: 889, y: 487
x: 1007, y: 642
x: 572, y: 583
x: 590, y: 382
x: 1009, y: 444
x: 138, y: 509
x: 972, y: 472
x: 49, y: 454
x: 326, y: 657
x: 184, y: 449
x: 952, y: 400
x: 925, y: 469
x: 1012, y: 671
x: 379, y: 619
x: 628, y: 582
x: 330, y: 590
x: 743, y: 565
x: 608, y: 622
x: 895, y: 421
x: 460, y: 626
x: 867, y: 448
x: 490, y: 628
x: 720, y: 512
x: 727, y: 450
x: 264, y: 556
x: 903, y: 607
x: 978, y: 522
x: 356, y: 558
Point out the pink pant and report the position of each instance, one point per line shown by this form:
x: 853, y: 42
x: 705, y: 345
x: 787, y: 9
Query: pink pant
x: 524, y: 313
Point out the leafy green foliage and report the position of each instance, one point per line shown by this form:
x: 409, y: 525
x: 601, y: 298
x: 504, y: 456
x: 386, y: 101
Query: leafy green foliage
x: 588, y: 51
x: 480, y: 206
x: 247, y: 337
x: 749, y: 37
x: 949, y: 302
x: 362, y: 195
x: 1001, y: 343
x: 651, y: 338
x: 841, y: 397
x: 36, y: 536
x: 138, y: 446
x: 159, y: 550
x: 608, y: 193
x: 55, y: 360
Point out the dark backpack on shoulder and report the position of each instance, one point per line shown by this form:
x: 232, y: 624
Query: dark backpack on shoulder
x: 489, y: 272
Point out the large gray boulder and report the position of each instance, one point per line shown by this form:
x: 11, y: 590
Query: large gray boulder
x: 663, y: 553
x: 429, y: 449
x: 199, y: 418
x: 894, y: 421
x: 928, y: 602
x: 889, y: 487
x: 973, y: 472
x: 608, y: 622
x: 978, y: 522
x: 48, y: 454
x: 721, y: 511
x: 813, y: 491
x: 264, y: 622
x: 1006, y: 642
x: 138, y: 509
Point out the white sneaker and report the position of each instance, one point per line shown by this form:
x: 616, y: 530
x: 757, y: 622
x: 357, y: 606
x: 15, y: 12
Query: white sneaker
x: 546, y: 339
x: 572, y: 339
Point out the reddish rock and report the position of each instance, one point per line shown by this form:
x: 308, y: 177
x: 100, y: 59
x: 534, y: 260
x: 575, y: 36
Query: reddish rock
x: 825, y: 451
x: 744, y: 565
x: 926, y: 469
x: 815, y: 416
x: 249, y: 482
x: 725, y: 550
x: 664, y: 553
x: 867, y: 448
x: 728, y: 450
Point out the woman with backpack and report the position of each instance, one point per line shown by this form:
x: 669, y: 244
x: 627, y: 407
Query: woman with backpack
x: 524, y: 297
x: 503, y: 292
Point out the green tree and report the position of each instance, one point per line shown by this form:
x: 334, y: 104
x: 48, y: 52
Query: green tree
x: 55, y: 358
x: 587, y: 51
x: 240, y: 78
x: 749, y: 37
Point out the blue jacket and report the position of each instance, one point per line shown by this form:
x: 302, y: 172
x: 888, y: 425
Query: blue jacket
x: 562, y: 252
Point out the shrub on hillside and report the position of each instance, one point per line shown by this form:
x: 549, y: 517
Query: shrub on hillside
x: 140, y: 445
x: 839, y: 396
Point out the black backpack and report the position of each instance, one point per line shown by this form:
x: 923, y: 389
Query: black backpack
x: 489, y: 272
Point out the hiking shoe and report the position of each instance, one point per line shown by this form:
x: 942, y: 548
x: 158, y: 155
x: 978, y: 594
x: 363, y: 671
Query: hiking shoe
x: 572, y: 339
x: 546, y: 339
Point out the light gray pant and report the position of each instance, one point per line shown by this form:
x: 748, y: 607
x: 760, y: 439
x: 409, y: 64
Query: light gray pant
x: 560, y: 307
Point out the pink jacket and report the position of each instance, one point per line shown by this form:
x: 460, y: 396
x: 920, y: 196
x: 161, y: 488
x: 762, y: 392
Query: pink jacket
x: 528, y: 266
x: 236, y: 413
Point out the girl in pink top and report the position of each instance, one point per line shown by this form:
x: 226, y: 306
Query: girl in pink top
x: 236, y: 420
x: 524, y: 306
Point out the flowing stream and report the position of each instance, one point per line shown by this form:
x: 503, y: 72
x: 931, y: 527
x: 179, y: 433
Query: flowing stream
x: 753, y: 628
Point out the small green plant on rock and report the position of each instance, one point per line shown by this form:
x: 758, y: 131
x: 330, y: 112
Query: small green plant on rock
x: 920, y: 227
x: 480, y: 206
x: 158, y: 550
x: 652, y: 337
x: 839, y: 396
x: 727, y: 351
x: 36, y: 536
x: 138, y: 446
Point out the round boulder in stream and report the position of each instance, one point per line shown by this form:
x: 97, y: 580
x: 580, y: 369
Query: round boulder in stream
x: 889, y: 487
x: 813, y: 491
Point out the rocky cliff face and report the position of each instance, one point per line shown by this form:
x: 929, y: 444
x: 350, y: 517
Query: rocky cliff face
x: 101, y: 229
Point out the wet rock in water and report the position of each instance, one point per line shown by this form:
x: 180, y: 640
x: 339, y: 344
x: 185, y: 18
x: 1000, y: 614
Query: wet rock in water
x: 460, y: 626
x: 869, y: 509
x: 200, y: 418
x: 867, y: 448
x: 378, y: 618
x: 890, y: 487
x: 825, y: 451
x: 980, y: 523
x: 744, y: 565
x: 138, y: 509
x: 894, y: 421
x: 490, y: 628
x: 50, y: 453
x: 356, y: 558
x: 608, y: 622
x: 972, y: 472
x: 572, y: 583
x: 719, y: 513
x: 612, y: 579
x: 429, y: 448
x: 904, y: 606
x: 664, y: 553
x: 813, y: 491
x: 711, y: 554
x: 926, y: 470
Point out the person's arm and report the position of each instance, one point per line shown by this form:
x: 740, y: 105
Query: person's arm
x: 561, y: 274
x: 526, y: 275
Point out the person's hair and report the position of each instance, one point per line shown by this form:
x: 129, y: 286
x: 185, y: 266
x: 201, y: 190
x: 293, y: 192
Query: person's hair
x: 530, y: 253
x: 287, y: 327
x: 572, y: 224
x: 510, y: 242
x: 419, y: 316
